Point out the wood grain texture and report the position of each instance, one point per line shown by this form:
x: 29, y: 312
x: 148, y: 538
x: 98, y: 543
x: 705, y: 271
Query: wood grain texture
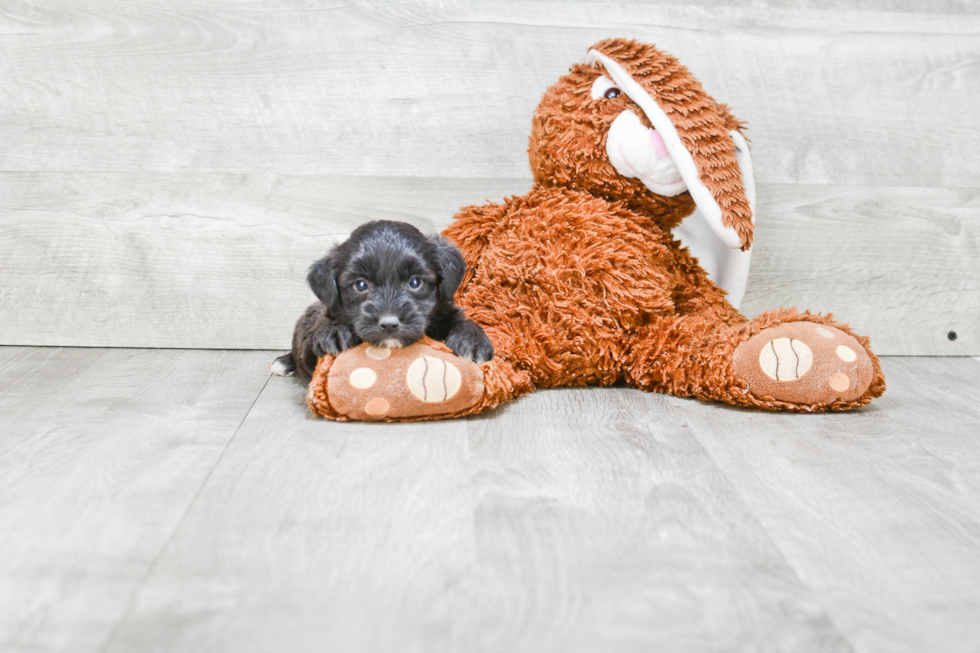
x: 220, y: 260
x: 447, y: 89
x: 901, y: 265
x: 101, y: 453
x: 205, y: 261
x: 314, y: 536
x: 168, y: 172
x: 879, y: 510
x: 601, y: 525
x: 572, y: 521
x: 147, y: 504
x: 965, y: 7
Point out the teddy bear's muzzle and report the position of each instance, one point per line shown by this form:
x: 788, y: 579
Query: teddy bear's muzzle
x: 638, y: 152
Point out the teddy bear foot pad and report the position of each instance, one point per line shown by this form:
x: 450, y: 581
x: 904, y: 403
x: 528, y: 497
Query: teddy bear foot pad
x: 377, y: 383
x: 804, y: 363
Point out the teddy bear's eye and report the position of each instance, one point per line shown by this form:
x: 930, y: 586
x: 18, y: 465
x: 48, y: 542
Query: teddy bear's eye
x: 361, y: 285
x: 414, y: 283
x: 604, y: 88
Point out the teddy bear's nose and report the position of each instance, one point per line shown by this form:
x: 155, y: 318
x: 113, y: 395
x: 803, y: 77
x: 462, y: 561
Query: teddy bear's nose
x: 659, y: 147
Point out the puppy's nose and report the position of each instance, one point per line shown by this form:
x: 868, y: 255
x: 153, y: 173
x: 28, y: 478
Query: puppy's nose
x: 389, y: 322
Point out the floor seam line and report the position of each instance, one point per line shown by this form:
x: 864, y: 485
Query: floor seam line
x: 775, y: 545
x: 180, y: 522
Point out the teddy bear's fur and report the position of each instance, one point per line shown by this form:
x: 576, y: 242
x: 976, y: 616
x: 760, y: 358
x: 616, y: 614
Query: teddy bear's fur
x: 579, y: 282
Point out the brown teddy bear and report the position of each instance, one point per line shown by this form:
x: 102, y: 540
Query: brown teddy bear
x: 580, y: 281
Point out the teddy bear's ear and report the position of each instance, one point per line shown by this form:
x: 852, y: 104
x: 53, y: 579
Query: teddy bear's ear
x: 728, y: 268
x: 694, y: 129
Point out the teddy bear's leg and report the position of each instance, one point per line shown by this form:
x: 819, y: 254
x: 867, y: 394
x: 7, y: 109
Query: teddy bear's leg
x: 781, y: 360
x: 502, y: 382
x: 422, y: 381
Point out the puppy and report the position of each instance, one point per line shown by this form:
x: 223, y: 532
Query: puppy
x: 387, y: 285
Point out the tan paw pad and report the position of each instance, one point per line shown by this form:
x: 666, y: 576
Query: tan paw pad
x: 373, y: 383
x: 839, y: 381
x: 803, y: 363
x: 846, y: 354
x: 785, y: 359
x: 377, y: 407
x: 363, y: 378
x: 377, y: 353
x: 433, y: 380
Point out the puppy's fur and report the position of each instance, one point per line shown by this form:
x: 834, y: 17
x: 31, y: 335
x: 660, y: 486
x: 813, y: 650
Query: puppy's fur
x: 387, y: 285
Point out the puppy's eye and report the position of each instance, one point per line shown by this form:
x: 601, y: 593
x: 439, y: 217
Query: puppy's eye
x: 414, y: 283
x: 361, y: 285
x: 611, y: 93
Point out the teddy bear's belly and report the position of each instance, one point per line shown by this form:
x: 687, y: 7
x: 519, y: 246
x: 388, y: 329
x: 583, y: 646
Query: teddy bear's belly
x: 563, y: 298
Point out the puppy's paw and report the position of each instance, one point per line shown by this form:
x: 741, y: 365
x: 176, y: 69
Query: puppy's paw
x: 283, y: 366
x: 467, y: 340
x: 333, y: 339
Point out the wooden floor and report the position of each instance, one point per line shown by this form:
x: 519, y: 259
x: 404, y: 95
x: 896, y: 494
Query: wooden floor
x: 182, y: 500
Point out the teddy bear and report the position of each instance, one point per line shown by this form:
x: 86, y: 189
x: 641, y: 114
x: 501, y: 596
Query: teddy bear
x: 584, y: 280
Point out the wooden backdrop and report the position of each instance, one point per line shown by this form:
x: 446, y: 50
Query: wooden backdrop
x: 168, y: 170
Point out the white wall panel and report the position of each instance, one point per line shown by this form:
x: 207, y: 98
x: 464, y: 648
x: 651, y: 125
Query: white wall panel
x: 188, y: 159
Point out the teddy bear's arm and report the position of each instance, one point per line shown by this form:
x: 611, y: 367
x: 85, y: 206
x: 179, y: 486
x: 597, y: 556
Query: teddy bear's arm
x: 471, y: 228
x: 471, y: 231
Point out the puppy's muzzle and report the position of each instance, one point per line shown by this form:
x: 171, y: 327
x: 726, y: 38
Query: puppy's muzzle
x: 389, y: 324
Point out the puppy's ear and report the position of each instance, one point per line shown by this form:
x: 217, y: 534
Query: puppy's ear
x: 450, y: 267
x: 323, y: 280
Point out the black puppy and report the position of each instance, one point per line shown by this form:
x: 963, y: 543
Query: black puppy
x: 387, y: 285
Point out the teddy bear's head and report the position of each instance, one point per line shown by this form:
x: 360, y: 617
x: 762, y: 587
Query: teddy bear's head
x: 633, y: 125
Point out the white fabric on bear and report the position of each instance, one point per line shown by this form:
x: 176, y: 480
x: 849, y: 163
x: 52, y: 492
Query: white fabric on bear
x: 681, y: 157
x: 728, y: 268
x: 638, y: 152
x: 600, y: 86
x: 717, y: 247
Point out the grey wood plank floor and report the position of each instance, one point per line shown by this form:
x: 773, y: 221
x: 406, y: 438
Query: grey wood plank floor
x: 163, y: 500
